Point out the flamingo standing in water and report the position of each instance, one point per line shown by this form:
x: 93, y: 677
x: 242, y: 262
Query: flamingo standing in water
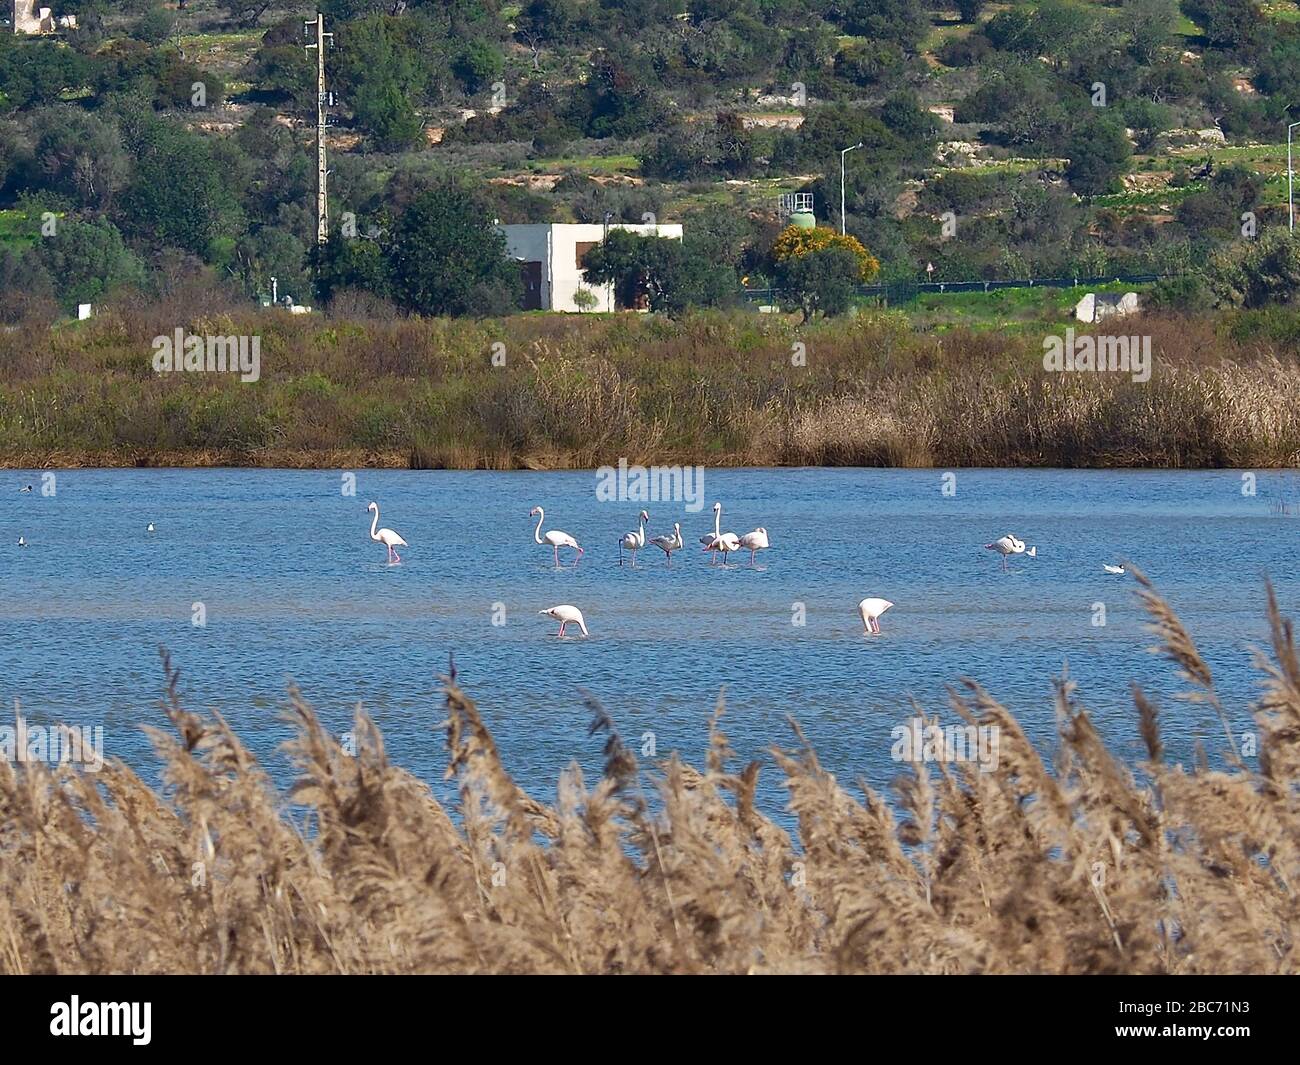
x: 555, y: 538
x: 871, y: 609
x: 566, y: 615
x: 386, y: 537
x: 1009, y: 545
x: 633, y: 541
x: 669, y: 544
x: 754, y: 542
x: 720, y: 541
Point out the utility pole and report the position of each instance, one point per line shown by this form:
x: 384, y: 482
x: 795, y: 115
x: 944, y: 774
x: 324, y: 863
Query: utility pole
x: 322, y: 103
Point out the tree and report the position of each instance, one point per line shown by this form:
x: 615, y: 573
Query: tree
x: 87, y: 260
x: 1099, y: 153
x: 657, y: 273
x: 824, y: 280
x: 970, y: 9
x: 795, y: 242
x: 448, y: 258
x: 1264, y: 271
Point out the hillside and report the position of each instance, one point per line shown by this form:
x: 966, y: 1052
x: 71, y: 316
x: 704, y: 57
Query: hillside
x: 1000, y: 140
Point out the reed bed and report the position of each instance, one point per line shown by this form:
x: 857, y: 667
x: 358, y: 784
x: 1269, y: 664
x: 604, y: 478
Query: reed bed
x: 1084, y: 866
x: 712, y: 389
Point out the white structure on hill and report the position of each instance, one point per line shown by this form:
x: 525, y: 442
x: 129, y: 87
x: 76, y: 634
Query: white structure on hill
x: 1097, y: 306
x: 552, y: 254
x: 26, y: 17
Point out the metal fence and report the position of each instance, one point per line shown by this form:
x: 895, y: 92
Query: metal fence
x: 903, y: 291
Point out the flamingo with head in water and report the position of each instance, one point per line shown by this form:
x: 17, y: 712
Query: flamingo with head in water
x: 555, y: 538
x: 566, y: 615
x: 754, y: 542
x: 386, y: 537
x: 870, y: 610
x: 669, y: 544
x: 1009, y: 545
x: 633, y: 541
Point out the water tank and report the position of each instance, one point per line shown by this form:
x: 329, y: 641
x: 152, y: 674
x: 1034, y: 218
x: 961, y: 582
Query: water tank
x: 803, y: 220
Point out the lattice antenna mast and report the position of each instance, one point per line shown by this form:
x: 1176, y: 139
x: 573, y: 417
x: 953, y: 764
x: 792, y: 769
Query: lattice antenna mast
x: 316, y: 28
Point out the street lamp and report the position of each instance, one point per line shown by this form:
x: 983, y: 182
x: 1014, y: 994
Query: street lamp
x: 842, y: 155
x: 1290, y: 175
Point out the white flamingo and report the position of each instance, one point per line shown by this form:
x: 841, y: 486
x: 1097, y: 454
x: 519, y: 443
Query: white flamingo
x: 633, y: 541
x: 871, y: 609
x: 25, y: 488
x: 754, y: 542
x: 555, y: 538
x: 22, y: 542
x: 669, y: 544
x: 386, y: 537
x: 566, y: 615
x: 1112, y: 569
x: 1009, y: 545
x: 708, y: 538
x: 720, y: 541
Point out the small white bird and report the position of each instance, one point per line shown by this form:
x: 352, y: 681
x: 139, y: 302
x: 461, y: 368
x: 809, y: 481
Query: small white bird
x: 870, y: 610
x: 669, y: 544
x: 386, y: 537
x: 566, y: 615
x: 25, y: 488
x: 554, y: 538
x: 1009, y: 545
x: 1112, y: 569
x: 22, y: 542
x: 151, y: 528
x: 754, y: 542
x: 633, y: 541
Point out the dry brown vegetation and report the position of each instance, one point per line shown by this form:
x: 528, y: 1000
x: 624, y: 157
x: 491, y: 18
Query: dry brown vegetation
x: 582, y: 391
x: 1089, y: 867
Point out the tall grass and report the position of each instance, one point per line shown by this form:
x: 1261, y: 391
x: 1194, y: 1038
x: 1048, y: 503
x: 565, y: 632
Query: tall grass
x: 1090, y: 866
x: 737, y: 389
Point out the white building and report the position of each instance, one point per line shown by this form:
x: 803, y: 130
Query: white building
x: 26, y: 17
x: 552, y: 254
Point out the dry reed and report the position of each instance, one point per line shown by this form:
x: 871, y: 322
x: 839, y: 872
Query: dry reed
x: 1090, y: 866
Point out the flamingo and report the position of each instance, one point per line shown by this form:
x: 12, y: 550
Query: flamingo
x: 871, y: 609
x: 1112, y: 569
x: 720, y: 541
x: 755, y: 541
x: 22, y: 542
x: 566, y: 615
x: 633, y: 541
x: 151, y: 528
x: 708, y: 538
x: 25, y: 488
x: 555, y: 538
x: 669, y: 544
x: 1009, y: 545
x: 386, y: 537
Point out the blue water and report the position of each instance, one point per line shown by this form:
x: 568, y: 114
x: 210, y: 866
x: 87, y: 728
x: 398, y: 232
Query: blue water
x: 293, y: 589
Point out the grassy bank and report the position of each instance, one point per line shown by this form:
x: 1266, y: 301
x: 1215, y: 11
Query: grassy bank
x: 1091, y: 867
x: 554, y: 392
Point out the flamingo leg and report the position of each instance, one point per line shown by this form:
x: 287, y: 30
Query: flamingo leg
x: 556, y: 549
x: 561, y: 632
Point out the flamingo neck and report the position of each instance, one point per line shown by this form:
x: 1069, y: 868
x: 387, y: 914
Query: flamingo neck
x: 537, y: 533
x: 374, y: 522
x: 717, y: 523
